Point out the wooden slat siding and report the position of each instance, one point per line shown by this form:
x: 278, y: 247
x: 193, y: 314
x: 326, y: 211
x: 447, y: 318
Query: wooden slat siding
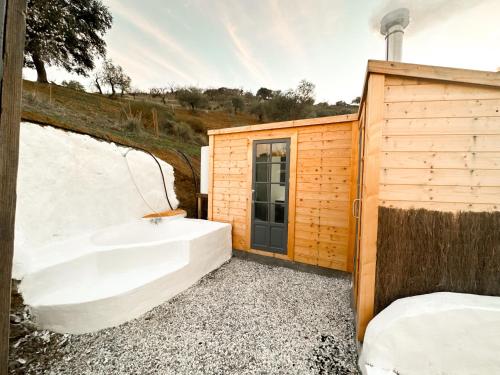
x: 210, y: 177
x: 437, y: 91
x: 333, y: 153
x: 287, y: 124
x: 323, y: 168
x: 292, y: 195
x: 443, y: 160
x: 440, y: 177
x: 469, y: 143
x: 355, y: 229
x: 443, y: 108
x: 229, y: 190
x: 370, y: 198
x: 319, y: 189
x: 441, y: 126
x: 450, y: 193
x: 441, y: 145
x: 434, y: 72
x: 353, y: 192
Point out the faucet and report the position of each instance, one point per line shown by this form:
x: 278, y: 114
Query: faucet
x: 155, y: 220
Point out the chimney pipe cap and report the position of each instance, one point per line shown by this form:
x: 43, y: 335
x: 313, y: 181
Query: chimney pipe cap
x: 399, y: 16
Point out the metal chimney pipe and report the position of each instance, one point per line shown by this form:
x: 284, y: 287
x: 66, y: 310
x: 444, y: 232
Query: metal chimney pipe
x: 392, y: 27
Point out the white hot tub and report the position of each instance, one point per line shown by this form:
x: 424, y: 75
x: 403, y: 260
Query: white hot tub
x: 117, y: 274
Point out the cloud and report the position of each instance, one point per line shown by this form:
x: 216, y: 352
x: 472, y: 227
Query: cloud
x: 161, y: 36
x: 281, y: 27
x: 245, y: 55
x: 140, y: 68
x: 424, y: 13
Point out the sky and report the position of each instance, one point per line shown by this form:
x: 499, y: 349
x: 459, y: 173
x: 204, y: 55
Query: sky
x: 276, y: 43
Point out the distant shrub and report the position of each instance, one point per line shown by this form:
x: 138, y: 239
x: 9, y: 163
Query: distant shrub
x: 133, y: 121
x: 74, y: 85
x: 183, y: 131
x: 201, y: 139
x: 30, y: 97
x: 133, y: 125
x: 238, y: 104
x: 191, y: 97
x: 166, y: 125
x: 197, y: 125
x: 180, y: 130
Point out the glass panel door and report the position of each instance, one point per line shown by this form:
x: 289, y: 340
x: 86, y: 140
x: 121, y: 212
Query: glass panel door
x: 270, y: 195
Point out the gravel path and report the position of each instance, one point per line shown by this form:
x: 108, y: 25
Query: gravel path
x: 245, y: 318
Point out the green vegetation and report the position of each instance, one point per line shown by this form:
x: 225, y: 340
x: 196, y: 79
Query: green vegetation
x: 65, y: 33
x: 73, y: 84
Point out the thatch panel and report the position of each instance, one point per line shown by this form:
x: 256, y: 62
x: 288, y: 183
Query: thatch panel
x: 422, y: 251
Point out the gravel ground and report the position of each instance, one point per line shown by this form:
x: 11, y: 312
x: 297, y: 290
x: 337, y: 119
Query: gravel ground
x: 245, y: 318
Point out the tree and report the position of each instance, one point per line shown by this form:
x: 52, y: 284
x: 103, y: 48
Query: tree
x: 65, y: 33
x: 356, y: 100
x: 191, y: 96
x: 341, y: 103
x: 134, y: 92
x: 292, y: 104
x: 305, y: 92
x: 97, y: 81
x: 113, y: 76
x: 264, y: 93
x: 238, y: 103
x: 73, y: 84
x: 260, y: 110
x: 110, y: 75
x: 160, y: 92
x: 124, y: 81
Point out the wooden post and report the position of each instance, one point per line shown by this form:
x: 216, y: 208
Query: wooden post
x: 369, y: 212
x: 12, y: 28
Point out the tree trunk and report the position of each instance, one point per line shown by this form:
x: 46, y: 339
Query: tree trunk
x: 41, y: 73
x: 98, y: 85
x: 12, y: 24
x: 113, y: 91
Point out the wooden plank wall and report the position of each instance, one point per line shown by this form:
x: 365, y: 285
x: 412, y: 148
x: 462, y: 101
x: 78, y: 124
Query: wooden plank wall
x: 440, y: 146
x: 320, y: 183
x: 228, y: 191
x: 323, y: 195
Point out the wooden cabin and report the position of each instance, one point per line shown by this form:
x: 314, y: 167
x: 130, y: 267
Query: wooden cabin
x: 405, y: 194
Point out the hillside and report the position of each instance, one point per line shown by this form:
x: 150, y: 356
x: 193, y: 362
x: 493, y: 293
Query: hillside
x: 163, y: 126
x: 131, y: 122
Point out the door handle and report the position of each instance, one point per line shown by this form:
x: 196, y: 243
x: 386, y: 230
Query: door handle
x: 355, y: 207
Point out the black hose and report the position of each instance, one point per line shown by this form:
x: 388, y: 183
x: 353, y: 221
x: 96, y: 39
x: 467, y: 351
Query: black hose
x: 193, y: 173
x: 162, y: 178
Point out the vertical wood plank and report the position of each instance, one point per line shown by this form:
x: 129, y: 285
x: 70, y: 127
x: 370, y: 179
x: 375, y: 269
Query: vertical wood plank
x: 248, y: 242
x: 352, y: 195
x: 369, y: 215
x: 211, y: 145
x: 292, y: 189
x: 13, y: 24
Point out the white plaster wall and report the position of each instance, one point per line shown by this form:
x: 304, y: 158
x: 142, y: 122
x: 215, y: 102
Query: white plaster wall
x: 434, y: 334
x: 71, y: 184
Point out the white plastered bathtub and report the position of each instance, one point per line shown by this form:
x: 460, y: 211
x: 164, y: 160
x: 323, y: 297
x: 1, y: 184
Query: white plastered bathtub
x: 117, y: 274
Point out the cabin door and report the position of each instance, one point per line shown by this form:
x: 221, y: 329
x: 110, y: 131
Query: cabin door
x: 271, y: 166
